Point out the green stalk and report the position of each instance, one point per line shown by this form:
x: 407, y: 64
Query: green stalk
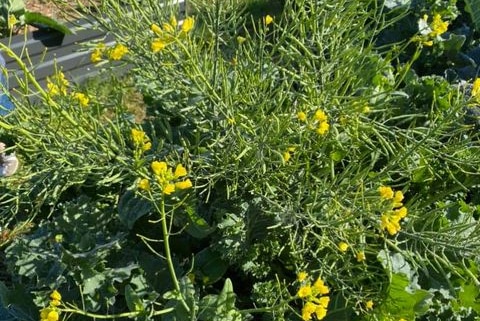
x: 113, y: 316
x: 166, y: 242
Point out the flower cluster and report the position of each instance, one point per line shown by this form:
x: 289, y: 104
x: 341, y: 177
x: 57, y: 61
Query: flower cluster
x: 430, y: 31
x: 141, y: 140
x: 100, y: 52
x: 81, y: 98
x: 165, y: 35
x: 319, y: 122
x: 390, y: 220
x: 314, y: 296
x: 287, y: 154
x: 167, y: 178
x: 52, y: 313
x: 57, y: 85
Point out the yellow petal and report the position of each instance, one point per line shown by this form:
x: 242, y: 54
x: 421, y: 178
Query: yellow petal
x: 180, y: 171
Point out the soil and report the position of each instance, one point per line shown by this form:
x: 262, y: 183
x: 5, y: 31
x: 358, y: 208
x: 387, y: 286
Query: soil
x: 53, y: 9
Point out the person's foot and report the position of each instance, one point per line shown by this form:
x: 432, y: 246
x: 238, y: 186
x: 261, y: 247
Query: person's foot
x: 8, y: 163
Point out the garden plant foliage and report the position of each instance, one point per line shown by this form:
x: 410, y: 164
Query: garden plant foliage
x: 298, y: 160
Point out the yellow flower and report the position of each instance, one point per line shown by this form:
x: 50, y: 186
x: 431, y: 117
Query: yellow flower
x: 186, y: 184
x: 343, y: 247
x: 188, y: 24
x: 173, y: 22
x: 438, y: 26
x: 369, y: 305
x: 323, y: 301
x: 180, y: 171
x: 118, y: 52
x: 53, y: 89
x: 302, y: 276
x: 159, y: 168
x: 476, y: 89
x: 400, y: 213
x: 320, y: 287
x: 82, y: 99
x: 158, y: 45
x: 391, y: 224
x: 361, y: 256
x: 320, y: 312
x: 144, y: 184
x: 56, y: 295
x: 96, y: 56
x: 55, y: 303
x: 304, y: 291
x: 140, y: 139
x: 147, y: 146
x: 301, y: 116
x: 44, y: 313
x: 267, y: 20
x: 308, y: 309
x: 386, y: 192
x: 320, y: 116
x: 168, y: 189
x: 286, y: 156
x: 12, y: 21
x: 168, y: 28
x: 156, y: 29
x: 397, y: 199
x: 52, y: 316
x: 241, y: 40
x: 323, y: 128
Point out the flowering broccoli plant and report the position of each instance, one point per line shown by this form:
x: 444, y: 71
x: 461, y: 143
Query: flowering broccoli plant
x: 284, y: 167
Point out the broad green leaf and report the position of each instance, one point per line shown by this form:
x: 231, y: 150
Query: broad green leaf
x: 196, y: 225
x: 134, y: 302
x: 35, y: 18
x: 210, y: 266
x: 131, y: 208
x: 469, y: 297
x: 405, y: 303
x: 473, y: 7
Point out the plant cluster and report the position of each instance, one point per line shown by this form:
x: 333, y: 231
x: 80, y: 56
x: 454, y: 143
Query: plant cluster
x: 269, y: 179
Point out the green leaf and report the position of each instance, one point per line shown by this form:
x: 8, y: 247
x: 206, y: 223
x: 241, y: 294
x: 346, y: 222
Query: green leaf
x: 473, y: 7
x: 180, y: 313
x: 454, y: 43
x: 35, y: 18
x: 220, y: 307
x: 209, y: 266
x: 17, y: 6
x: 469, y: 297
x: 196, y: 225
x: 404, y: 303
x: 134, y: 302
x: 131, y: 208
x: 226, y: 298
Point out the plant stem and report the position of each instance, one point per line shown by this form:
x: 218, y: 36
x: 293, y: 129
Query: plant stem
x: 166, y: 242
x: 113, y: 316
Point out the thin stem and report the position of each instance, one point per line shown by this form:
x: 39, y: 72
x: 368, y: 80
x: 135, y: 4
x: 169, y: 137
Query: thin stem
x: 113, y: 316
x: 166, y: 242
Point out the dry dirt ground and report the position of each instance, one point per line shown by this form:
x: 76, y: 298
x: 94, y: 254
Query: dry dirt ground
x: 51, y: 8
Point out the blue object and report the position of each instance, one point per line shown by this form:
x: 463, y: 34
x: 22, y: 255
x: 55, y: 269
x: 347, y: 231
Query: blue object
x: 6, y: 104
